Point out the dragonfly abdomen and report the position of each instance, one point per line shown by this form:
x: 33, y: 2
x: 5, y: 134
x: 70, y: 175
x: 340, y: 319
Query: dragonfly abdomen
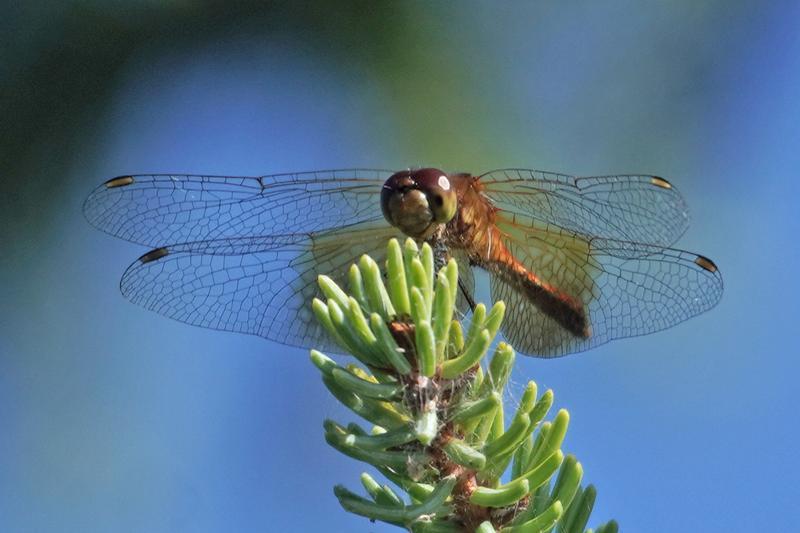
x: 568, y: 312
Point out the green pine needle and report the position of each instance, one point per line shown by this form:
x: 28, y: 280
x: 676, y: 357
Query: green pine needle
x: 439, y: 430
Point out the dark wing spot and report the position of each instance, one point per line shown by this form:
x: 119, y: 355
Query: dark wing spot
x: 706, y: 263
x: 660, y: 182
x: 154, y: 255
x: 120, y: 181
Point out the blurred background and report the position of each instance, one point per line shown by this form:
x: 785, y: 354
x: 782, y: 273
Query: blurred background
x: 113, y: 418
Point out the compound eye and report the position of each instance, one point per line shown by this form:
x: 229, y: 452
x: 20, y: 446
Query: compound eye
x: 406, y: 207
x: 439, y: 191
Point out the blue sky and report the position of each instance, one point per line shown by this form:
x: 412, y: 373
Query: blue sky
x: 117, y: 419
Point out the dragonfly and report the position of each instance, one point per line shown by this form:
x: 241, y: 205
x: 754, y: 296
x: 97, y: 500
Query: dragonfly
x: 579, y: 261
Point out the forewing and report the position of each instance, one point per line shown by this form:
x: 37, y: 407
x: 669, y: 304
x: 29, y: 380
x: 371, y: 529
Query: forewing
x: 635, y: 208
x: 627, y: 289
x: 158, y: 209
x: 259, y: 285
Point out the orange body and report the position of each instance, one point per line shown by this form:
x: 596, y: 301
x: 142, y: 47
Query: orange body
x: 473, y: 230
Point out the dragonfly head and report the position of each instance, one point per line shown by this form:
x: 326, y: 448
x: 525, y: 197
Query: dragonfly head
x: 418, y: 202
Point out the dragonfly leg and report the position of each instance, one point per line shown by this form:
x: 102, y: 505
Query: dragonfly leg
x: 467, y: 295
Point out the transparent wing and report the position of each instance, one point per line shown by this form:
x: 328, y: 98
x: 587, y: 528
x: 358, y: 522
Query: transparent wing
x: 625, y: 207
x: 625, y: 288
x: 257, y: 285
x: 158, y: 209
